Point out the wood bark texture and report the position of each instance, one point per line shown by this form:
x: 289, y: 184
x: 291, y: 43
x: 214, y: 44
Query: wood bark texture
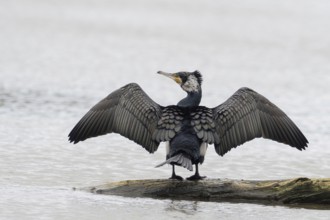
x: 299, y: 191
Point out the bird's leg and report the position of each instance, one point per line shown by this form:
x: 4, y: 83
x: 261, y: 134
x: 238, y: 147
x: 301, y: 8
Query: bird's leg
x: 175, y: 177
x: 196, y: 176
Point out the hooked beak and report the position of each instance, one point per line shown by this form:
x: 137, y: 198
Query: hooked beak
x: 173, y: 76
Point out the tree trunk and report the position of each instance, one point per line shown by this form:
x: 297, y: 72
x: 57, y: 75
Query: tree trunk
x: 294, y: 191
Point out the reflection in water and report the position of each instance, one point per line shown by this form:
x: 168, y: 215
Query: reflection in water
x: 185, y: 207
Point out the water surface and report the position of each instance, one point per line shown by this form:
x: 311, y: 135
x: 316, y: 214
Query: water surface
x: 58, y: 58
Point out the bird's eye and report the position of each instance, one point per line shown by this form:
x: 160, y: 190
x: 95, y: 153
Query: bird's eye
x: 184, y: 79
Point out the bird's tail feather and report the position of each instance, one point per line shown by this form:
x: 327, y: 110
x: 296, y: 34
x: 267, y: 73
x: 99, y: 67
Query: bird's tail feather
x: 179, y: 159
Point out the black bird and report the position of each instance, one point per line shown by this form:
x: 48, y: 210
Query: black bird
x: 187, y: 127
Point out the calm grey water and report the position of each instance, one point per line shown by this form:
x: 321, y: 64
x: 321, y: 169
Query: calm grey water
x: 58, y: 58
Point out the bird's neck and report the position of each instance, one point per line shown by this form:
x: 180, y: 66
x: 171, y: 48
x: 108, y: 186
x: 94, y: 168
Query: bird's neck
x: 193, y: 99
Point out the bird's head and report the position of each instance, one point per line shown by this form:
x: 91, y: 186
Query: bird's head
x: 189, y: 81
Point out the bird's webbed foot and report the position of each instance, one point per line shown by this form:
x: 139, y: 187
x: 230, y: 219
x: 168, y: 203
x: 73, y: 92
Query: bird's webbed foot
x: 176, y: 177
x: 196, y: 177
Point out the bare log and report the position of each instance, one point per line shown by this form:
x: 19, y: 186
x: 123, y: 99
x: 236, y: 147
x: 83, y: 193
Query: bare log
x: 293, y: 191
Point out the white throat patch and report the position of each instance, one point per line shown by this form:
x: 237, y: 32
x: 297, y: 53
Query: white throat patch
x: 191, y: 85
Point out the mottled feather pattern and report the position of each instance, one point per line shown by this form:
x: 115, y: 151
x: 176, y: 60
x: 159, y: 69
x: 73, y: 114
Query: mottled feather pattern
x: 169, y: 124
x: 203, y: 124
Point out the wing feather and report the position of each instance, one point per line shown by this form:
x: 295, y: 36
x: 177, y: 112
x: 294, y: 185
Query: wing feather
x: 128, y: 111
x: 247, y: 115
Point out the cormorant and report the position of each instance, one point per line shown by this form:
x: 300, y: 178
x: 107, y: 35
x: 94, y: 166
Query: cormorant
x: 187, y: 127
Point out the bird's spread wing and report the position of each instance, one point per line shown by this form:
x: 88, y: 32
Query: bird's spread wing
x: 128, y: 111
x: 247, y: 115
